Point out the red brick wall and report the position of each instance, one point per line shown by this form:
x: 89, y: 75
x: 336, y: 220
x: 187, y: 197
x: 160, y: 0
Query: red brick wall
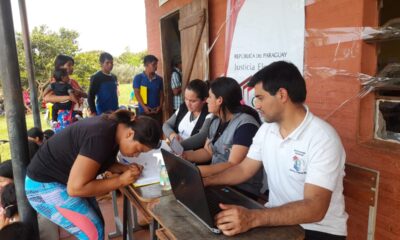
x: 354, y: 122
x: 217, y: 13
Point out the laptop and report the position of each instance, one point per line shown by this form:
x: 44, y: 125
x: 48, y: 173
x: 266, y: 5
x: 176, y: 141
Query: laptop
x: 203, y: 203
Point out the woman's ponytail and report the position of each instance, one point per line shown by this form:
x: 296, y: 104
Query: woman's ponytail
x: 121, y: 116
x: 147, y: 130
x: 250, y: 111
x: 231, y: 93
x: 9, y: 200
x: 11, y: 210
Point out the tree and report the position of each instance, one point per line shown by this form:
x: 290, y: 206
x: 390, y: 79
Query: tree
x: 125, y: 72
x: 46, y: 45
x: 128, y: 64
x: 134, y: 59
x: 86, y: 64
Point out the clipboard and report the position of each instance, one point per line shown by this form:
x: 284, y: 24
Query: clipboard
x: 143, y: 94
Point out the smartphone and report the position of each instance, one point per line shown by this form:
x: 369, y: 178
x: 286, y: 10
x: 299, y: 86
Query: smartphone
x: 176, y: 146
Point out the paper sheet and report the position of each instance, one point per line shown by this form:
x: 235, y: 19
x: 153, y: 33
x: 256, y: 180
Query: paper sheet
x: 150, y: 162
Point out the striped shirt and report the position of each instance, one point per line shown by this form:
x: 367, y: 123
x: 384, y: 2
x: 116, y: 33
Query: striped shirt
x: 176, y: 82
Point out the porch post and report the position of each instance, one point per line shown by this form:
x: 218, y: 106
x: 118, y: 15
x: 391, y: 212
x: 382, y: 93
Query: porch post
x: 29, y: 65
x: 15, y: 113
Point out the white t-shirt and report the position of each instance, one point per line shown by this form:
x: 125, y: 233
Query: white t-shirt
x: 186, y: 126
x: 312, y: 153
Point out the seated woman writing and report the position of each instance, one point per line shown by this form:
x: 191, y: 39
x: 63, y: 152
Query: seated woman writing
x: 61, y: 179
x: 190, y: 123
x: 230, y: 134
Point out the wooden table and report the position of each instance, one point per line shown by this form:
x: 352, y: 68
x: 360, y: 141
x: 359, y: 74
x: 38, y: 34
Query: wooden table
x: 138, y: 198
x: 175, y: 222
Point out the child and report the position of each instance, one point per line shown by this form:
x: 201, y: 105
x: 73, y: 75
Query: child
x: 61, y: 87
x: 10, y: 227
x: 66, y: 62
x: 47, y: 134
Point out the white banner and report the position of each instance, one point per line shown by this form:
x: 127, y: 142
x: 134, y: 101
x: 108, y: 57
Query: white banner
x: 260, y: 32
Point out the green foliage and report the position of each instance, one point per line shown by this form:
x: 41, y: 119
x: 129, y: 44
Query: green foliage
x: 21, y: 60
x: 133, y: 59
x: 86, y: 64
x: 128, y: 64
x: 125, y: 66
x: 46, y: 45
x: 5, y: 147
x: 126, y: 72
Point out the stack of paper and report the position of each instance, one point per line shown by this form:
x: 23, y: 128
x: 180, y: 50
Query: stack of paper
x: 150, y: 161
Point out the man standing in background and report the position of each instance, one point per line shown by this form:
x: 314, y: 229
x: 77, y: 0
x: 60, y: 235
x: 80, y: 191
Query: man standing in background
x: 103, y: 88
x: 148, y: 88
x: 176, y: 82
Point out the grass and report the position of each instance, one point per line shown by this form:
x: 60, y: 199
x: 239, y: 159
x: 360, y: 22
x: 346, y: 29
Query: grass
x: 124, y: 91
x: 5, y: 147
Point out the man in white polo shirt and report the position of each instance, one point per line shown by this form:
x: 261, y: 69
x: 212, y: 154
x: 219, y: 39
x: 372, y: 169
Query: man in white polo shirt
x: 302, y: 156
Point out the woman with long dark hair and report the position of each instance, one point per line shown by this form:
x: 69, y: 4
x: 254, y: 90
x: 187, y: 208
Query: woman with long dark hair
x: 8, y: 205
x: 190, y: 123
x: 230, y: 134
x: 61, y: 179
x: 65, y: 62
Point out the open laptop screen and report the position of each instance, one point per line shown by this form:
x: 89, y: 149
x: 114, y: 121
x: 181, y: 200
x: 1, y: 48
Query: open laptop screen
x: 187, y: 186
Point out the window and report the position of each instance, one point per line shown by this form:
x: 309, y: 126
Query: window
x: 387, y: 124
x: 387, y: 88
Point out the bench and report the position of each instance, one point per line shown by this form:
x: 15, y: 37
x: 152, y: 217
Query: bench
x: 361, y: 195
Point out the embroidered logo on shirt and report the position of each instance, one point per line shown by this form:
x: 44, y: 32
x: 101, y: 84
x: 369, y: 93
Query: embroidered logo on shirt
x: 299, y: 165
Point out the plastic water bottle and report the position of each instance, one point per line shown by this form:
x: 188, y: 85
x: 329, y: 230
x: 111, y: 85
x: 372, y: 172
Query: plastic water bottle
x: 164, y: 179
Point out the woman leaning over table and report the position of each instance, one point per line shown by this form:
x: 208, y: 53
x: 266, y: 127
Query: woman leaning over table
x: 61, y: 179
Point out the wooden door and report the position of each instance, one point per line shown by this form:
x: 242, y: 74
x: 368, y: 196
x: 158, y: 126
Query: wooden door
x: 193, y: 27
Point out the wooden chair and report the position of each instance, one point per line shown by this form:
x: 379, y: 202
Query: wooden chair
x: 361, y: 195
